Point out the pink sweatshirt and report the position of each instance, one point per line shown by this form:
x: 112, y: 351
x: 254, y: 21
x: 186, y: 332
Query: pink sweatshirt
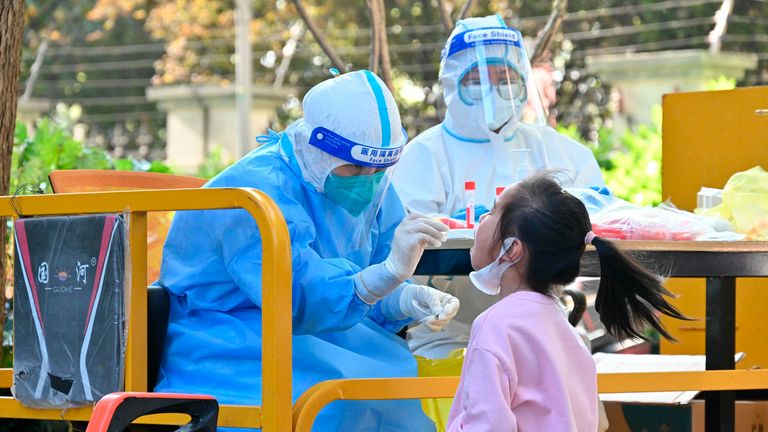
x: 526, y: 370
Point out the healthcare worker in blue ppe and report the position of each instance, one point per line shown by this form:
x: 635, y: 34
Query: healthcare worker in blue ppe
x: 494, y: 134
x: 353, y: 251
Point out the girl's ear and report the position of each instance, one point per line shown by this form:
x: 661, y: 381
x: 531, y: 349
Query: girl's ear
x: 514, y: 253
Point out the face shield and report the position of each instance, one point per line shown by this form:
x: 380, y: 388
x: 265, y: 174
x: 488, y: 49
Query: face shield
x: 496, y: 89
x: 359, y: 186
x: 346, y: 146
x: 488, y: 83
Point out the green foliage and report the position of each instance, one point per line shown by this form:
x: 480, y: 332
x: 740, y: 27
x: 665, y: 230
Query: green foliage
x: 213, y: 164
x: 141, y: 165
x: 51, y: 147
x: 721, y: 83
x: 631, y: 162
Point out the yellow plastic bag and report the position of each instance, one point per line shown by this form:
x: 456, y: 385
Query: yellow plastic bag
x: 438, y: 409
x: 745, y: 203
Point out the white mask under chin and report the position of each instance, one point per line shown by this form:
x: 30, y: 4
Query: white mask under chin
x: 488, y: 278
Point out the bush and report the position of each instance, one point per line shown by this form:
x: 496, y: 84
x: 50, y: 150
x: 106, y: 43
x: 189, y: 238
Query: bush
x: 631, y: 163
x: 52, y: 147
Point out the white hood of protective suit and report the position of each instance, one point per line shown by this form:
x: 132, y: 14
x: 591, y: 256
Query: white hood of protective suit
x: 354, y: 113
x: 463, y: 121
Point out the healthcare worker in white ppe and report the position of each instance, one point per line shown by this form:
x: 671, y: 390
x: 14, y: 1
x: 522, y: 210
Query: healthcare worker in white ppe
x: 493, y: 134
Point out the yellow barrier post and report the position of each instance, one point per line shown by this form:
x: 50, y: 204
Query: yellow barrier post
x: 274, y: 414
x: 315, y: 398
x: 136, y: 346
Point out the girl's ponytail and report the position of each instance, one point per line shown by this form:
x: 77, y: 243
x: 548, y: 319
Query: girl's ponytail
x: 629, y: 293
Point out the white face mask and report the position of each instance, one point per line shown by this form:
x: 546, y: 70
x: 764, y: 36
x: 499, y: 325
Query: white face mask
x: 503, y: 111
x: 488, y: 278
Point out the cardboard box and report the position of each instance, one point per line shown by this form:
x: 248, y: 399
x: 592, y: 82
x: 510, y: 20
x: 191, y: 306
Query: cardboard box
x: 624, y: 417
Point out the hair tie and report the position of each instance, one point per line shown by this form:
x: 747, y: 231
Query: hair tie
x: 589, y: 237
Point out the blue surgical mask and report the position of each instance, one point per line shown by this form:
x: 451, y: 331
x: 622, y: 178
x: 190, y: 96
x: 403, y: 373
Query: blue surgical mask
x: 353, y: 193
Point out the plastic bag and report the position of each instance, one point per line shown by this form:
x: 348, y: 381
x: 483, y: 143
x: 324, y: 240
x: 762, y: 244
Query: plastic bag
x: 625, y: 221
x: 438, y: 409
x: 69, y: 314
x: 745, y: 203
x: 594, y: 199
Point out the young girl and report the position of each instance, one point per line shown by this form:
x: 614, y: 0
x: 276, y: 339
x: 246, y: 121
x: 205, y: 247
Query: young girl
x: 526, y: 367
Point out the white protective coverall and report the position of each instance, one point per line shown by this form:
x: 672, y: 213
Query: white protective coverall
x: 432, y: 171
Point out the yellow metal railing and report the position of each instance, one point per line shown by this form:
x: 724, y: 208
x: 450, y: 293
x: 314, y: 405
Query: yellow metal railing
x: 318, y: 396
x: 276, y: 273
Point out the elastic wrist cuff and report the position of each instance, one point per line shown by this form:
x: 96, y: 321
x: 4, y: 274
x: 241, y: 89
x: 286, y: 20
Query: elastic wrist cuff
x: 375, y: 282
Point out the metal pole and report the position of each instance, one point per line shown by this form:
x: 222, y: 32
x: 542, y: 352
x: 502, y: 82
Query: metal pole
x: 243, y: 75
x: 719, y: 408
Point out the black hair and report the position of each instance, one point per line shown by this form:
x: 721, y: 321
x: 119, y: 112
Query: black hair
x: 553, y: 224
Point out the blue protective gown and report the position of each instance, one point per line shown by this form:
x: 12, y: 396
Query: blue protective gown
x: 211, y: 268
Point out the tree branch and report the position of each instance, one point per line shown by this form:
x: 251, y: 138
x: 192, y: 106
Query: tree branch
x: 466, y: 9
x: 445, y: 16
x: 34, y: 71
x: 335, y: 59
x: 297, y: 32
x: 386, y: 64
x: 715, y: 37
x: 550, y: 29
x: 373, y: 14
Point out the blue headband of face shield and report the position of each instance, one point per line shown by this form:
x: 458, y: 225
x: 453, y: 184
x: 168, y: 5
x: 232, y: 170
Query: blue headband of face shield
x: 483, y: 36
x: 355, y: 153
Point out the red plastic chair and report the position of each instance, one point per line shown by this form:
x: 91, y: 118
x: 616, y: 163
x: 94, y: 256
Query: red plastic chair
x: 115, y: 411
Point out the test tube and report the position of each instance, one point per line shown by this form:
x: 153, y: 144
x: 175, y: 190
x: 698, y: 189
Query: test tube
x: 499, y: 190
x: 469, y: 201
x: 522, y: 164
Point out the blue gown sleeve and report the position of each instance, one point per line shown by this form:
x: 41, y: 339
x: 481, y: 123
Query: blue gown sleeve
x: 324, y: 298
x: 393, y: 326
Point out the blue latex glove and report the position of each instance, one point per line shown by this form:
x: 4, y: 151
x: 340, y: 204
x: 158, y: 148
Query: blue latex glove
x: 461, y: 214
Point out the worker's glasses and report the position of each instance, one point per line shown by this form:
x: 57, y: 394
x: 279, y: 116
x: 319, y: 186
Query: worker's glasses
x: 507, y: 89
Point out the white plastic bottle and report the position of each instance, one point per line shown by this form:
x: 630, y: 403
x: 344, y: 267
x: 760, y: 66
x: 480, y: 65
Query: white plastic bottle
x: 469, y: 202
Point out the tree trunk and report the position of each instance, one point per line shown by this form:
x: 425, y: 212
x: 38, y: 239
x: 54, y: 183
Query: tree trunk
x: 11, y: 29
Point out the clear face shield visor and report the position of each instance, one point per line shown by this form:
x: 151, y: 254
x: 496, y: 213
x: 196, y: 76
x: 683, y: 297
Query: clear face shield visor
x: 498, y: 81
x: 360, y: 187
